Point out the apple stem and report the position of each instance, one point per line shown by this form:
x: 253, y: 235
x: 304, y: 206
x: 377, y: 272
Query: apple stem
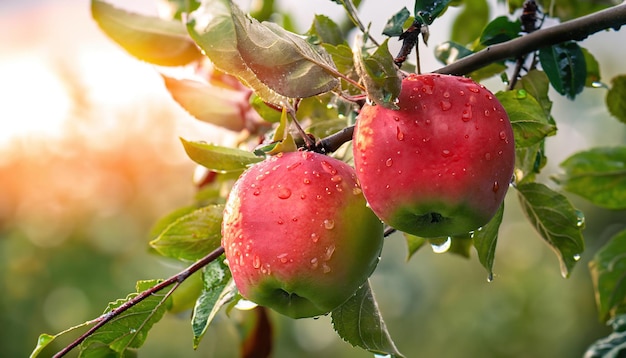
x: 308, y: 142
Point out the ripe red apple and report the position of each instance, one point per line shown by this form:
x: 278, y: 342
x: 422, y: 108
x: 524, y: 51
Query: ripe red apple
x: 298, y: 235
x: 441, y: 164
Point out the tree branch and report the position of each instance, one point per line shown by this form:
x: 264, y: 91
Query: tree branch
x: 174, y: 280
x: 577, y: 30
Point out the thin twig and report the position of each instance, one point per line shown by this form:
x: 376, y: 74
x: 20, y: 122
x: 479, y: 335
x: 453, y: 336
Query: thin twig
x: 577, y: 30
x: 176, y: 279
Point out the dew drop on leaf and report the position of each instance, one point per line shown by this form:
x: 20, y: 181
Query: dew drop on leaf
x: 580, y: 219
x: 521, y: 94
x: 440, y: 248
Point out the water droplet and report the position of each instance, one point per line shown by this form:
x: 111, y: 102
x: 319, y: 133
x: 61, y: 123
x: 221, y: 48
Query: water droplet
x: 521, y: 94
x: 466, y: 116
x: 473, y: 89
x: 502, y: 135
x: 399, y: 134
x: 490, y: 277
x: 256, y: 262
x: 284, y: 193
x: 329, y: 168
x: 446, y: 153
x: 336, y: 179
x: 315, y: 237
x: 282, y: 258
x: 306, y: 155
x: 397, y: 119
x: 133, y: 331
x: 597, y: 84
x: 489, y: 97
x: 256, y: 192
x: 314, y: 263
x: 462, y: 93
x: 446, y: 94
x: 576, y: 257
x: 389, y: 162
x: 580, y: 219
x: 445, y: 105
x: 294, y: 166
x: 428, y: 121
x: 329, y: 224
x: 488, y: 156
x: 487, y: 113
x: 330, y: 250
x: 325, y: 268
x: 440, y: 247
x: 496, y: 186
x: 302, y: 196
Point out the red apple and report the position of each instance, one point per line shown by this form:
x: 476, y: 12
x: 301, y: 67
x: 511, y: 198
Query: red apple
x: 298, y: 235
x: 441, y: 164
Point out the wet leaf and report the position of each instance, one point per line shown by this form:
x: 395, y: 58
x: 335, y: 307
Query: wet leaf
x: 486, y: 239
x: 537, y: 84
x: 358, y: 322
x: 528, y: 162
x: 616, y: 98
x: 191, y: 236
x: 216, y: 105
x: 565, y: 66
x: 218, y: 289
x: 211, y: 26
x: 394, y: 26
x: 556, y: 221
x: 528, y: 118
x: 379, y: 74
x: 129, y: 329
x: 608, y: 273
x: 218, y: 158
x: 266, y: 112
x: 429, y: 10
x: 598, y: 175
x: 151, y: 39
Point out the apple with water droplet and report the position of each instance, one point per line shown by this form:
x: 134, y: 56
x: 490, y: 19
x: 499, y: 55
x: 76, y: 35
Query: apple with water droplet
x: 441, y: 164
x: 298, y: 235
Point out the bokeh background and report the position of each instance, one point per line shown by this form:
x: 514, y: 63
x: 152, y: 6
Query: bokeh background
x: 90, y: 159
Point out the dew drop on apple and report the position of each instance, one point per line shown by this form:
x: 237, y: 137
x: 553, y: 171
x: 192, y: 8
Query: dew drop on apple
x: 330, y: 250
x: 282, y: 258
x: 325, y: 268
x: 328, y: 168
x: 256, y: 262
x: 399, y: 134
x: 306, y: 181
x: 502, y: 135
x: 473, y: 89
x: 487, y: 156
x: 496, y: 186
x: 389, y: 162
x: 336, y: 179
x: 445, y: 105
x: 329, y: 224
x: 315, y: 238
x: 446, y: 153
x: 442, y: 247
x: 284, y: 193
x: 466, y: 116
x: 314, y: 263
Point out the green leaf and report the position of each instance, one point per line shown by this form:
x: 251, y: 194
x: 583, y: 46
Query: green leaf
x: 528, y: 162
x: 593, y: 69
x: 180, y: 7
x: 379, y: 74
x: 266, y: 112
x: 428, y: 10
x: 218, y: 158
x: 218, y: 290
x: 211, y: 26
x: 151, y: 39
x: 129, y: 329
x: 614, y: 345
x: 485, y: 240
x: 598, y: 175
x: 325, y: 30
x: 499, y: 30
x: 284, y: 61
x: 413, y: 243
x: 193, y: 235
x: 565, y: 66
x: 470, y: 22
x: 216, y: 105
x: 528, y: 119
x: 537, y: 84
x: 358, y: 322
x: 556, y: 220
x: 616, y: 98
x: 394, y: 26
x: 42, y: 342
x: 608, y: 273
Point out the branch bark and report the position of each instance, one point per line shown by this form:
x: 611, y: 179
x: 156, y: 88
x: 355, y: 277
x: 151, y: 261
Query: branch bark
x: 576, y: 30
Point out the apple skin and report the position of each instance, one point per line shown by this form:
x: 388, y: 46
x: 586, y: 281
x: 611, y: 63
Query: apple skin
x: 441, y: 164
x: 298, y: 235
